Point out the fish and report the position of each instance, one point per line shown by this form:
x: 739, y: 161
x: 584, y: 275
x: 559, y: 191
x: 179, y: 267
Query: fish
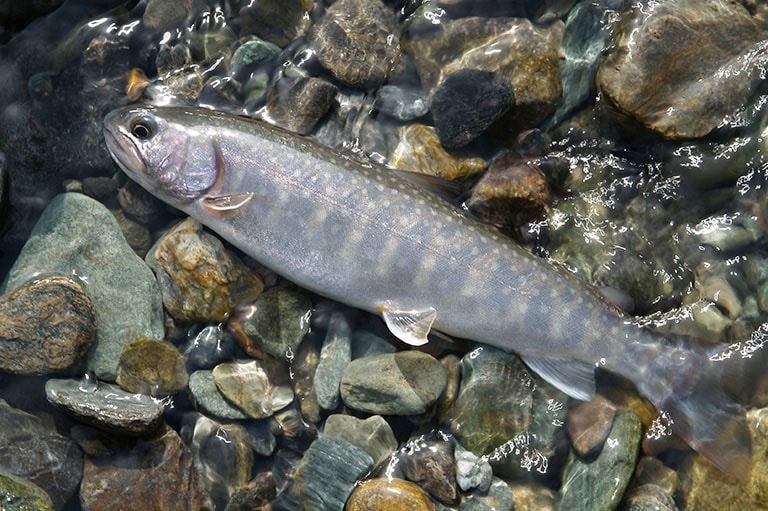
x: 377, y: 239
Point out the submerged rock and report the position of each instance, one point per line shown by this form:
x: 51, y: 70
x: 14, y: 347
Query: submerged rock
x: 386, y: 494
x: 419, y: 150
x: 373, y: 435
x: 277, y: 21
x: 401, y: 103
x: 255, y: 388
x: 499, y: 497
x: 335, y: 354
x: 152, y: 367
x: 46, y: 324
x: 78, y: 236
x: 297, y: 104
x: 649, y: 497
x: 589, y: 424
x: 17, y: 494
x: 429, y: 463
x: 208, y: 397
x: 257, y: 495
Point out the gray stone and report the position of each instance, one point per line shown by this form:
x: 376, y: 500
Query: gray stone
x: 257, y: 388
x: 297, y: 104
x: 373, y: 435
x: 209, y: 398
x: 335, y: 355
x: 277, y: 21
x: 78, y: 236
x: 599, y: 484
x: 365, y: 344
x: 328, y: 473
x: 401, y: 103
x: 498, y: 498
x: 106, y: 406
x: 472, y: 472
x: 31, y: 450
x: 404, y: 383
x: 17, y: 494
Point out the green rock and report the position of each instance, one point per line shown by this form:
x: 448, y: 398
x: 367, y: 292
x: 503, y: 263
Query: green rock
x: 78, y: 236
x: 403, y: 383
x: 279, y: 320
x: 251, y: 54
x: 599, y: 484
x: 17, y: 494
x: 373, y: 435
x: 335, y: 355
x: 498, y: 498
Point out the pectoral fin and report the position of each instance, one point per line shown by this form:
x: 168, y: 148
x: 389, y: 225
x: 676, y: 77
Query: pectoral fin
x: 227, y: 202
x: 574, y: 377
x: 410, y: 326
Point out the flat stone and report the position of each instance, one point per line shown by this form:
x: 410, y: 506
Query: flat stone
x: 589, y: 424
x: 46, y: 324
x: 78, y: 236
x: 335, y: 355
x: 152, y: 367
x: 373, y: 435
x: 385, y: 494
x: 33, y: 451
x: 404, y: 383
x: 106, y: 406
x: 210, y: 399
x: 419, y: 150
x: 199, y: 278
x: 17, y: 494
x: 153, y: 474
x: 255, y: 388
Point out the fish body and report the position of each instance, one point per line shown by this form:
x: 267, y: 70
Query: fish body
x: 371, y: 238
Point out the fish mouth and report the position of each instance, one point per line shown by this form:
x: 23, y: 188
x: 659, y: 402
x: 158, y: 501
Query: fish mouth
x: 121, y: 146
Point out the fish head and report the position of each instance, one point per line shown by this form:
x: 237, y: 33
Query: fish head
x: 160, y: 149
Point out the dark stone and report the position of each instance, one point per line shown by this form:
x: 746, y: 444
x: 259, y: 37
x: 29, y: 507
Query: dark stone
x: 430, y: 464
x: 648, y: 497
x: 589, y: 424
x: 277, y: 21
x: 46, y: 325
x: 297, y: 104
x: 99, y: 187
x: 467, y: 102
x: 139, y: 203
x: 257, y: 495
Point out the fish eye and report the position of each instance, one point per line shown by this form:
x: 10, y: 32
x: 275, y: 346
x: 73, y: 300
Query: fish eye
x: 143, y: 128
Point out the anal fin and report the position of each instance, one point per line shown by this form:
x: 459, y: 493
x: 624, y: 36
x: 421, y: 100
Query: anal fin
x: 410, y: 326
x: 574, y: 377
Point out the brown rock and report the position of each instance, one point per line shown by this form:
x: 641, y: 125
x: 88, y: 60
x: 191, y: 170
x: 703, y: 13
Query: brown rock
x: 257, y: 495
x: 152, y: 367
x: 46, y: 325
x: 154, y: 474
x: 419, y: 150
x: 381, y: 494
x: 533, y: 497
x: 277, y: 21
x: 589, y: 424
x: 430, y: 464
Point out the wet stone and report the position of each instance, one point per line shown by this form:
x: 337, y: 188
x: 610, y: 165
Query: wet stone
x: 257, y: 495
x: 303, y: 367
x: 499, y: 497
x: 297, y: 104
x: 328, y: 473
x: 401, y: 103
x: 99, y: 187
x: 209, y: 347
x: 365, y: 344
x: 251, y: 54
x: 648, y: 497
x: 430, y: 464
x: 256, y: 388
x: 17, y: 494
x: 153, y: 474
x: 223, y: 454
x: 335, y: 354
x: 418, y: 149
x: 357, y: 42
x: 210, y: 399
x: 137, y: 203
x: 533, y: 497
x: 277, y: 21
x: 137, y: 235
x: 404, y: 383
x: 78, y: 236
x: 585, y: 485
x: 199, y: 279
x: 589, y: 424
x: 384, y: 494
x: 472, y: 472
x: 275, y: 323
x: 106, y: 406
x: 33, y: 451
x: 162, y: 16
x: 651, y: 471
x: 152, y: 367
x: 467, y: 102
x: 373, y: 435
x: 47, y: 324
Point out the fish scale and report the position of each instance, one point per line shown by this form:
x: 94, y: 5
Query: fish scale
x: 369, y: 237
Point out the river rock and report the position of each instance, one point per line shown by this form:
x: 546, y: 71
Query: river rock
x: 199, y: 279
x: 651, y: 471
x: 208, y: 397
x: 401, y: 103
x: 335, y: 354
x: 153, y: 474
x: 78, y: 236
x: 105, y: 406
x: 386, y: 494
x: 599, y: 483
x: 277, y: 21
x: 533, y: 497
x: 137, y: 203
x: 33, y: 451
x: 467, y: 102
x: 209, y: 347
x: 472, y: 471
x: 152, y: 367
x: 254, y: 387
x: 681, y: 69
x: 223, y: 454
x: 46, y: 324
x: 328, y: 473
x: 499, y: 498
x: 516, y: 427
x: 297, y: 104
x: 419, y: 150
x: 18, y: 494
x: 648, y: 497
x: 357, y: 42
x: 163, y: 16
x: 373, y: 435
x: 303, y: 366
x: 429, y: 463
x: 589, y: 424
x: 403, y: 383
x: 250, y: 55
x: 365, y: 344
x: 257, y: 495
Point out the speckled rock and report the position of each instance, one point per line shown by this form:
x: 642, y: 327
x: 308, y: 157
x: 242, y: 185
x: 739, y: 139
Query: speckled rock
x: 257, y: 495
x: 328, y: 473
x: 223, y: 454
x: 585, y: 485
x: 533, y: 497
x: 297, y: 104
x: 404, y: 383
x: 357, y: 42
x: 384, y: 494
x: 33, y: 450
x: 257, y: 388
x: 335, y: 354
x: 78, y: 236
x: 250, y: 55
x: 46, y: 324
x: 373, y: 435
x: 648, y: 497
x: 419, y: 150
x: 429, y: 463
x: 303, y: 367
x: 137, y: 203
x: 589, y: 424
x: 498, y: 498
x: 106, y: 406
x: 277, y: 21
x: 163, y: 16
x: 681, y: 69
x: 199, y: 279
x: 17, y: 494
x: 153, y: 474
x: 516, y: 427
x: 401, y: 103
x: 152, y: 367
x: 472, y: 472
x: 208, y: 397
x: 467, y: 102
x: 275, y: 323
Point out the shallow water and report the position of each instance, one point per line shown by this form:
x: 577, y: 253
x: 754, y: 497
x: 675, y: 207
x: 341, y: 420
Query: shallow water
x: 672, y: 227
